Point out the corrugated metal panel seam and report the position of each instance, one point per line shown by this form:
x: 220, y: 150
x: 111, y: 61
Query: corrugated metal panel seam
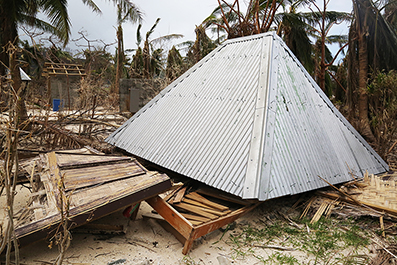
x: 251, y: 183
x: 268, y: 137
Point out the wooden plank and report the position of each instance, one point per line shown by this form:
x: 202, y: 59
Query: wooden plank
x: 195, y: 217
x: 171, y: 194
x: 103, y: 169
x: 208, y: 210
x: 195, y: 223
x: 90, y: 197
x: 54, y: 177
x: 196, y: 210
x: 51, y: 201
x: 69, y: 161
x: 213, y: 225
x: 206, y: 207
x: 61, y: 64
x: 84, y: 177
x: 188, y: 244
x: 223, y: 196
x: 197, y: 197
x: 38, y: 193
x: 38, y: 210
x: 173, y: 217
x: 179, y: 195
x: 196, y: 203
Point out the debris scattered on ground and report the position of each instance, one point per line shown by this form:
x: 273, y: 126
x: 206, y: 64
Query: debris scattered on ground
x: 85, y: 186
x: 373, y: 195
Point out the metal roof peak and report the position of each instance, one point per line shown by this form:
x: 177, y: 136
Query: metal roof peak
x: 272, y: 134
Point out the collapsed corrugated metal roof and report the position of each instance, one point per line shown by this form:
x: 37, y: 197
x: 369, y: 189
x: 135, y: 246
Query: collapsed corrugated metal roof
x: 249, y: 120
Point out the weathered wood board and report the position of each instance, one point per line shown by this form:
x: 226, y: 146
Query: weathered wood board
x: 94, y: 185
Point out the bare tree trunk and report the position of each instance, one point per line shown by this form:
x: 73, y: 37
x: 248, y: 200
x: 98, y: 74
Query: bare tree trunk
x: 119, y: 59
x: 146, y: 59
x: 321, y: 75
x: 63, y: 237
x: 362, y: 86
x: 8, y: 178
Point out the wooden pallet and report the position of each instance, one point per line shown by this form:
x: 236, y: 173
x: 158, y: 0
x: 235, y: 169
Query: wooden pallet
x: 191, y: 215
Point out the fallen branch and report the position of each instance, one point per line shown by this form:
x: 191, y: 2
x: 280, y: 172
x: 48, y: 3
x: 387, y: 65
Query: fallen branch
x: 64, y: 132
x: 275, y: 247
x: 137, y: 244
x: 385, y: 249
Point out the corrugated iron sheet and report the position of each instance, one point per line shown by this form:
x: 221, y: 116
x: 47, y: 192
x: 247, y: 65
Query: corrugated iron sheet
x: 249, y: 120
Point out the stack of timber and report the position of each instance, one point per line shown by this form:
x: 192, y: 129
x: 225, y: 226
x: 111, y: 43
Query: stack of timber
x: 189, y: 214
x: 84, y: 185
x: 373, y: 195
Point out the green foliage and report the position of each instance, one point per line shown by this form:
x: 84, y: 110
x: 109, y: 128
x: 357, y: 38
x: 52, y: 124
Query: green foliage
x: 324, y: 242
x: 382, y: 94
x: 279, y: 258
x: 353, y: 237
x: 372, y: 36
x: 23, y: 12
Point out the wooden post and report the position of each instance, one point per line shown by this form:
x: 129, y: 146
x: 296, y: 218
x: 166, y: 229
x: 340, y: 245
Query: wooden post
x: 68, y: 86
x: 49, y: 89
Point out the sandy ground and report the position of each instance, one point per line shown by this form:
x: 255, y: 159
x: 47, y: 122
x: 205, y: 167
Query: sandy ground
x: 146, y: 242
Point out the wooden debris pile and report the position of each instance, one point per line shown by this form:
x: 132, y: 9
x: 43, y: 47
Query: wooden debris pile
x: 84, y: 186
x: 373, y: 195
x: 190, y: 214
x: 69, y: 129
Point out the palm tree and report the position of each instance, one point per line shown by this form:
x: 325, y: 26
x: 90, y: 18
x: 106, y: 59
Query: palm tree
x: 391, y: 13
x: 321, y: 22
x: 258, y: 18
x: 14, y: 13
x: 292, y: 27
x: 372, y: 47
x: 147, y: 61
x: 202, y: 46
x: 175, y: 65
x: 124, y: 13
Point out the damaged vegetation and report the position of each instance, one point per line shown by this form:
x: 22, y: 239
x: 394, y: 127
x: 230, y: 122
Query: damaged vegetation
x: 345, y: 226
x: 55, y: 151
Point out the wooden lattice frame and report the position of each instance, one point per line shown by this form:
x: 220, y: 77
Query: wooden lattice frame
x: 63, y: 69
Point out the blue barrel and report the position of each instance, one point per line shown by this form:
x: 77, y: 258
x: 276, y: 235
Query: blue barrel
x: 56, y: 104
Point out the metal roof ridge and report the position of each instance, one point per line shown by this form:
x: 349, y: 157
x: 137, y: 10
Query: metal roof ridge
x: 251, y: 183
